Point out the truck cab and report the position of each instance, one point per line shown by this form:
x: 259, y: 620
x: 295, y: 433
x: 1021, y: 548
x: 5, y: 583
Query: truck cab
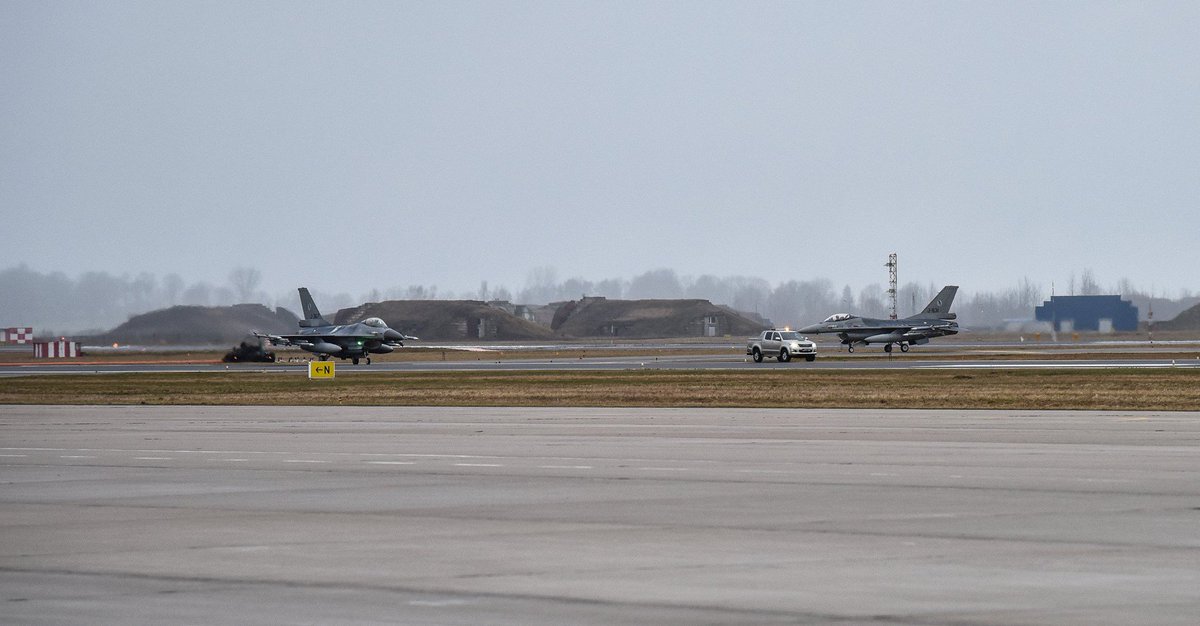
x: 782, y: 345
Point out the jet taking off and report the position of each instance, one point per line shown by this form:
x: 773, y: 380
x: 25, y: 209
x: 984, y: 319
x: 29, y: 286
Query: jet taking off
x: 935, y: 321
x: 350, y: 341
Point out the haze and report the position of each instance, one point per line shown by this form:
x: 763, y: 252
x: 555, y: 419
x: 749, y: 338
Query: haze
x: 358, y: 146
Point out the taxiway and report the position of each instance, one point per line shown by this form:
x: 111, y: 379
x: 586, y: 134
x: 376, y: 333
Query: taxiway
x: 682, y: 361
x: 604, y: 516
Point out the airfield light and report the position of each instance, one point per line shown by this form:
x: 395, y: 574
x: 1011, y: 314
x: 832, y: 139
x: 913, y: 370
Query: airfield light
x: 115, y: 344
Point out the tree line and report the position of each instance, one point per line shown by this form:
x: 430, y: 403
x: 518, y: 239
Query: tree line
x: 97, y: 301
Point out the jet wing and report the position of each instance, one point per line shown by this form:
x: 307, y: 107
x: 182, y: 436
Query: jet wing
x: 277, y: 340
x: 291, y: 340
x: 932, y: 328
x: 884, y: 328
x: 334, y: 338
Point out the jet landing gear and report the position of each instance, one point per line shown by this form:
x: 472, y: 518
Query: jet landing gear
x: 849, y: 348
x: 904, y: 347
x: 888, y: 348
x: 354, y: 360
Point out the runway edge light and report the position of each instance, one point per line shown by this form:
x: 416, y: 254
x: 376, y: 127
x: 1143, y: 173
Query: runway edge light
x: 320, y: 370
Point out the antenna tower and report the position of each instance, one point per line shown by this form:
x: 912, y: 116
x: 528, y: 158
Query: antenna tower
x: 891, y: 265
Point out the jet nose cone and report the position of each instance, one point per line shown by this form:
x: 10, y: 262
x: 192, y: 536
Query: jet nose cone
x: 811, y: 328
x: 392, y: 335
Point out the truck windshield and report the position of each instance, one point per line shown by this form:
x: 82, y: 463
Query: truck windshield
x: 790, y: 336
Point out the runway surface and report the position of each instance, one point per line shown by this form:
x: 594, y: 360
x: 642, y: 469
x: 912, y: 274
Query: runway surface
x: 681, y: 361
x: 594, y: 516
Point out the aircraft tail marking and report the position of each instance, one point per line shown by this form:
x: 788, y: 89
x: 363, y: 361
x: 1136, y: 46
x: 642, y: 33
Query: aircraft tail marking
x: 939, y: 307
x: 312, y: 316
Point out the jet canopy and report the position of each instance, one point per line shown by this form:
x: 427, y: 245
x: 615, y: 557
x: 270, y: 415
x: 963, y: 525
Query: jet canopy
x: 374, y: 322
x: 837, y: 317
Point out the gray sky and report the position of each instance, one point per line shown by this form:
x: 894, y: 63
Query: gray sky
x: 383, y: 144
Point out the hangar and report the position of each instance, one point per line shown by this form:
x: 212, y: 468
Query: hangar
x: 1088, y: 313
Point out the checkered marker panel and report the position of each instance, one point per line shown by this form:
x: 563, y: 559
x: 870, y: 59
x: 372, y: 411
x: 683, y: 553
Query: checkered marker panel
x: 18, y: 335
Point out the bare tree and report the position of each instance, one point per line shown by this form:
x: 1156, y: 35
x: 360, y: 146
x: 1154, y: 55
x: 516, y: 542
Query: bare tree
x: 541, y: 285
x: 661, y: 283
x: 198, y: 294
x: 1088, y: 285
x: 172, y: 287
x: 245, y: 282
x: 611, y: 288
x: 870, y: 301
x: 1030, y: 294
x: 847, y: 299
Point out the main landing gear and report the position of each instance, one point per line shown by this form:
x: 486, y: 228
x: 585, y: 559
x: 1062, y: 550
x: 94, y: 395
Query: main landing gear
x: 354, y: 360
x: 888, y: 348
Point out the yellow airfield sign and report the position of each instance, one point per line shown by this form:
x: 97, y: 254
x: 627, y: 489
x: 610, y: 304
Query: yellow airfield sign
x: 320, y: 369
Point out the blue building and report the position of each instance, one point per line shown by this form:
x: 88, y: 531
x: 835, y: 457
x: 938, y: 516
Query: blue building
x: 1097, y: 313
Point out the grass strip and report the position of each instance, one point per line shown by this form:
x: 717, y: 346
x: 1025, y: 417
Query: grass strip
x: 1106, y: 389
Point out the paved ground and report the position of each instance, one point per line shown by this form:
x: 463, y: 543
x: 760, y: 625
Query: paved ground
x: 551, y: 516
x: 681, y: 361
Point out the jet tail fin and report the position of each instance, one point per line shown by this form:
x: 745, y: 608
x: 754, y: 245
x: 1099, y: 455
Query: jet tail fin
x: 312, y: 316
x: 939, y: 307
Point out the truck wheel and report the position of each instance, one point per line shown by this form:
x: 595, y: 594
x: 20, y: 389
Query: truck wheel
x: 757, y: 355
x: 784, y: 355
x: 810, y: 358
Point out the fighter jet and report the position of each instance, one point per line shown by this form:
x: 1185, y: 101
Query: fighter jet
x: 935, y: 321
x: 350, y: 341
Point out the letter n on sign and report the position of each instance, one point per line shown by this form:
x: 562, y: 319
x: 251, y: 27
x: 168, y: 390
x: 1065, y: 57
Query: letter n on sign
x: 320, y: 369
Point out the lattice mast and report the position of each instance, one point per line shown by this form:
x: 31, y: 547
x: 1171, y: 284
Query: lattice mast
x: 892, y: 283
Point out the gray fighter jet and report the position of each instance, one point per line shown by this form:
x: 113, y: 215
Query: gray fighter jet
x: 350, y: 341
x: 935, y: 321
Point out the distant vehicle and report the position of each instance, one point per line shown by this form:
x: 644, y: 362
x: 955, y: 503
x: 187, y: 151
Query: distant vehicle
x: 349, y: 341
x: 782, y: 345
x: 935, y: 321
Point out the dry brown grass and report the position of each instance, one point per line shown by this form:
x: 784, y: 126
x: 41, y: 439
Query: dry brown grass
x: 1166, y: 389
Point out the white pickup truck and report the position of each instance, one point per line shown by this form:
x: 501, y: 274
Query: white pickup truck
x: 781, y: 344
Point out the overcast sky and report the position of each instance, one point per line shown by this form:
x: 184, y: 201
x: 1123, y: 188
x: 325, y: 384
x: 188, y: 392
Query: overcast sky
x: 358, y: 145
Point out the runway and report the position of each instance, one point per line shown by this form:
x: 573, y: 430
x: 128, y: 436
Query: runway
x: 682, y: 361
x: 597, y: 516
